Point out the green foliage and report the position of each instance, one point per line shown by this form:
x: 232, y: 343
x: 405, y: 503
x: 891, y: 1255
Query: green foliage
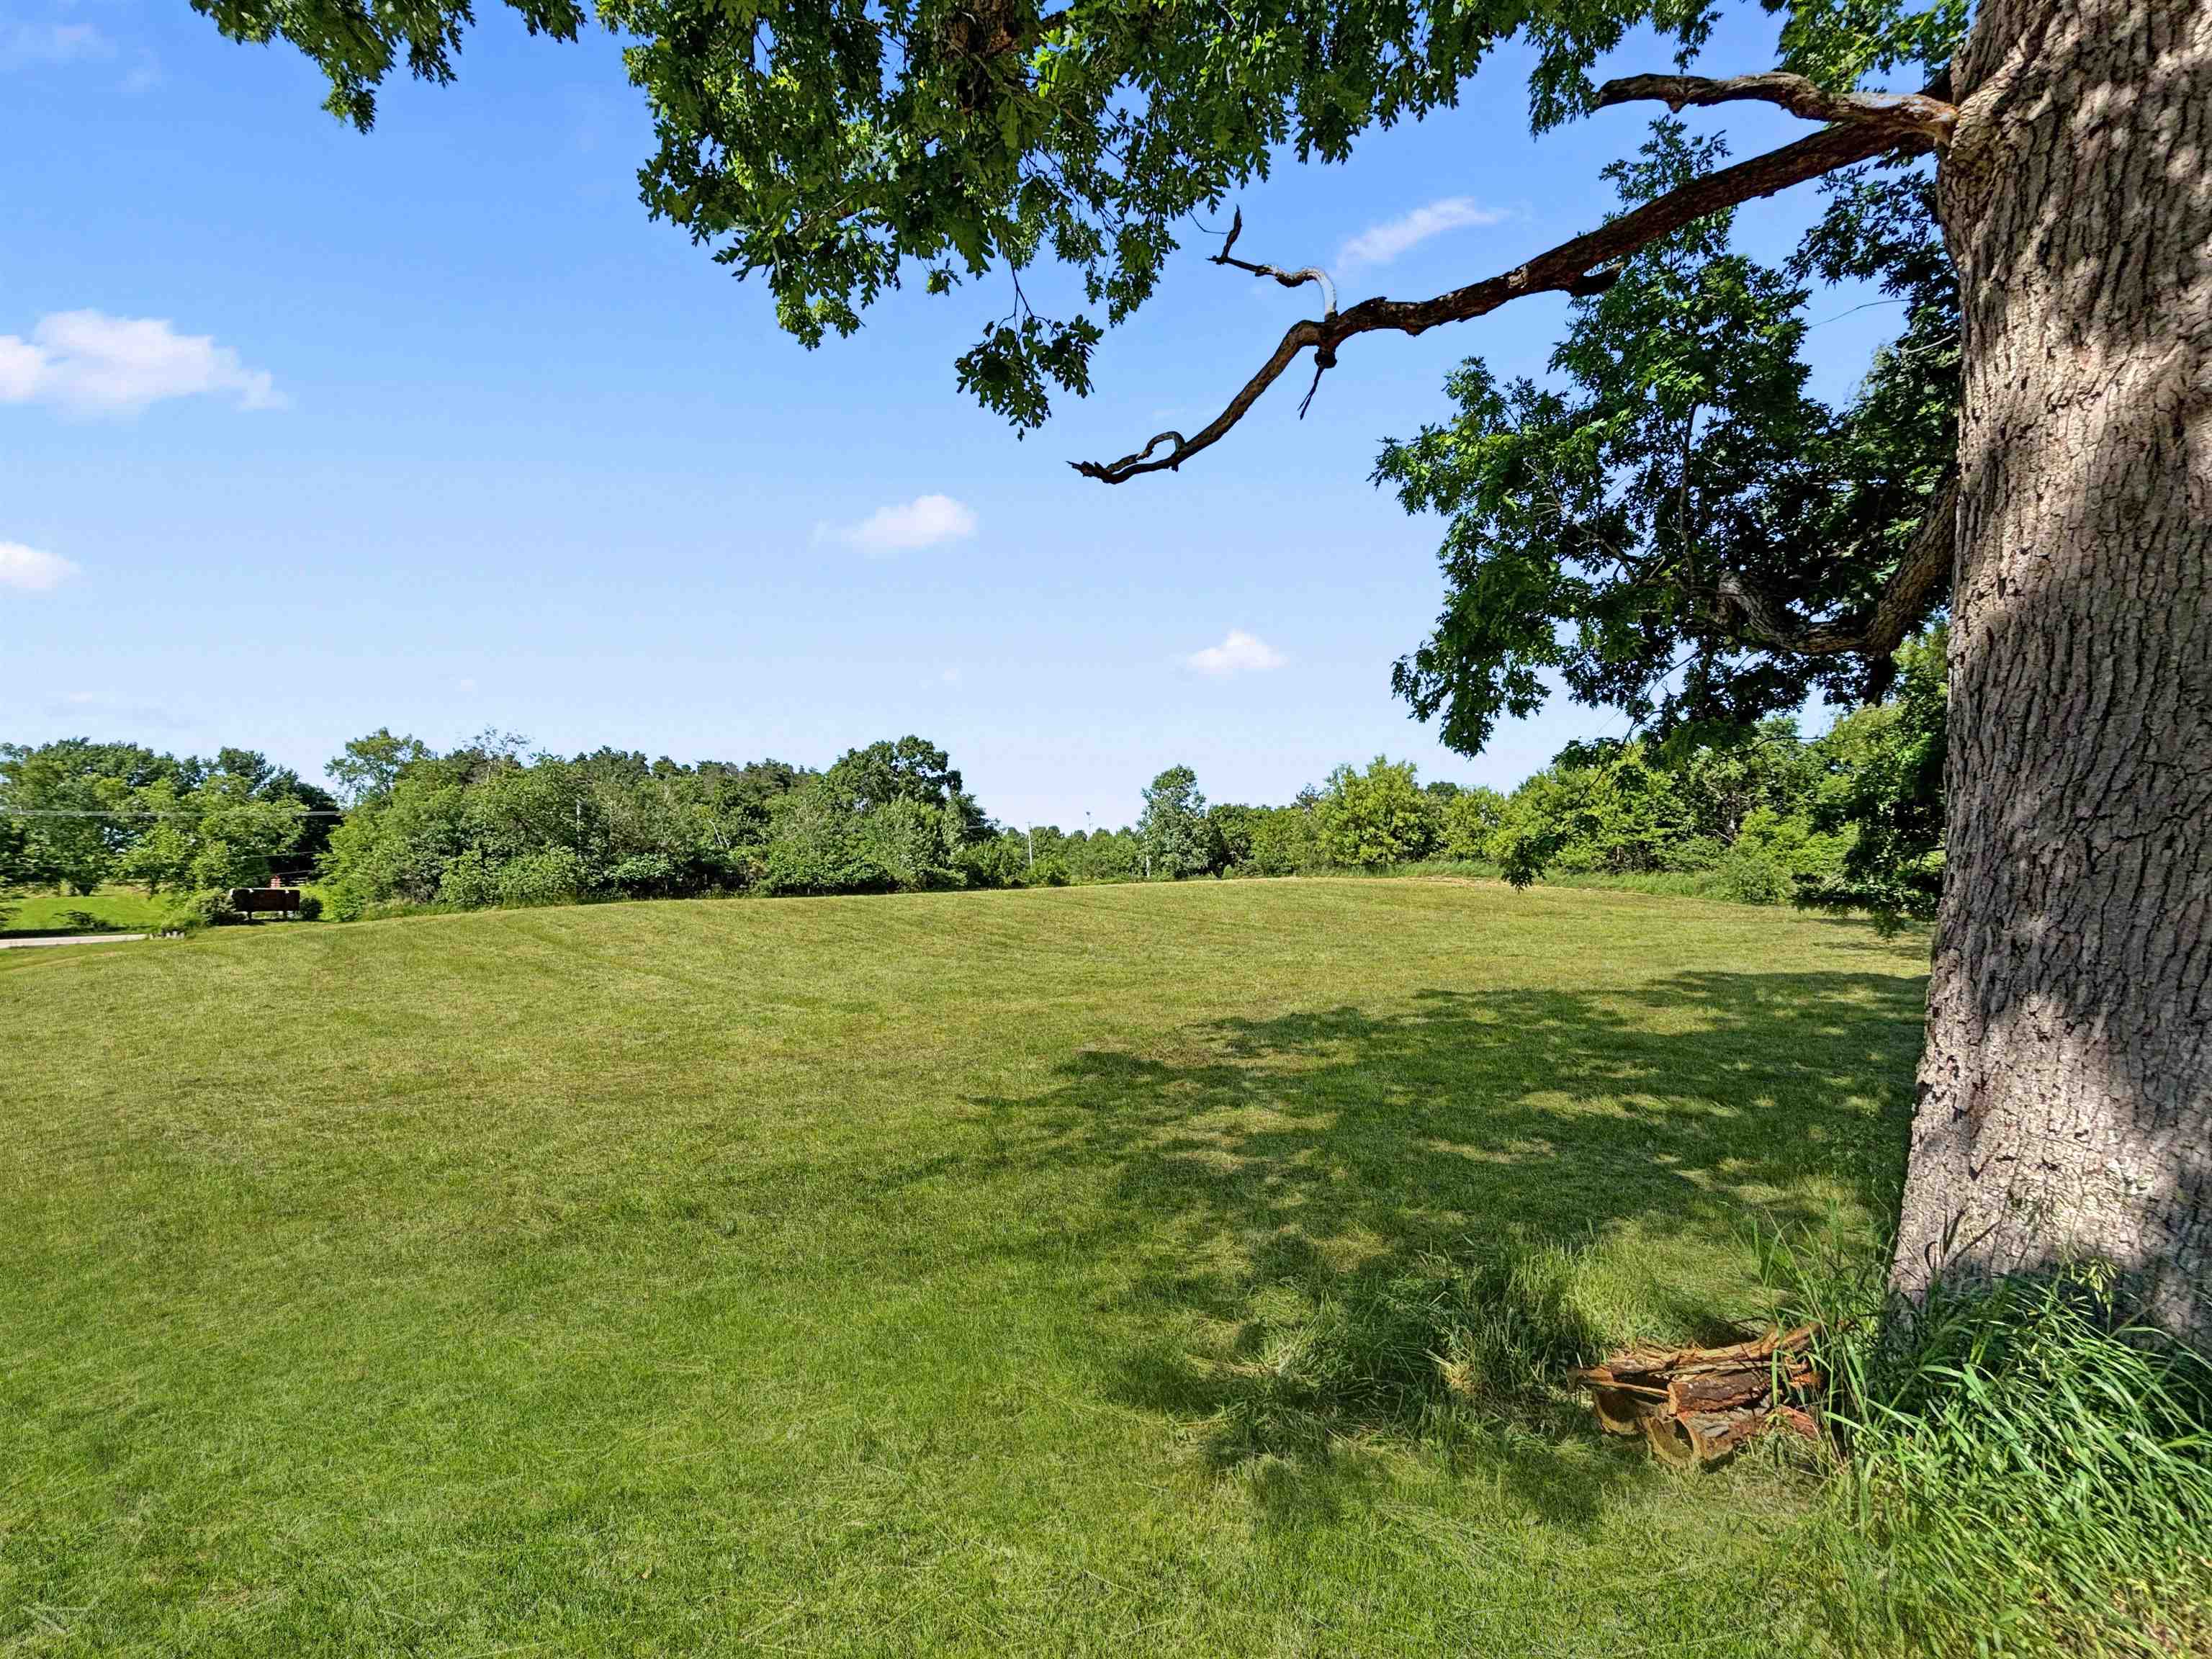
x: 356, y: 46
x: 1851, y: 821
x: 92, y: 813
x: 369, y: 768
x: 221, y: 834
x: 838, y: 151
x: 1885, y: 787
x: 1176, y: 838
x: 188, y: 911
x: 1468, y: 821
x: 486, y: 825
x: 1602, y: 527
x: 2026, y: 1471
x: 1594, y: 522
x: 67, y: 795
x: 891, y: 817
x: 1285, y: 840
x: 1375, y: 818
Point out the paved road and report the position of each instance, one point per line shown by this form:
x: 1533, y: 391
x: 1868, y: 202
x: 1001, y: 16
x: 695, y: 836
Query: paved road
x: 73, y: 939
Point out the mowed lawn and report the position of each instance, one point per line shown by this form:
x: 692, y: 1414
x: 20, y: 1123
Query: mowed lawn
x: 112, y: 908
x: 878, y: 1275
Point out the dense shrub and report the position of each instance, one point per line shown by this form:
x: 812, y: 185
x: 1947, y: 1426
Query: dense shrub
x: 189, y: 912
x: 552, y: 875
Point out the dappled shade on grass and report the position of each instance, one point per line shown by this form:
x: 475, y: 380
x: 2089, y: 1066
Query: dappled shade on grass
x: 1052, y: 1271
x: 1327, y: 1155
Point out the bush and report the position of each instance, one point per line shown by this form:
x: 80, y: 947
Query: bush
x: 189, y: 912
x: 553, y: 876
x: 645, y: 875
x: 1752, y: 875
x: 795, y: 867
x: 468, y: 882
x: 311, y: 908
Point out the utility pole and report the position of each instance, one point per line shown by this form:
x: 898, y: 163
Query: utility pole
x: 1031, y: 833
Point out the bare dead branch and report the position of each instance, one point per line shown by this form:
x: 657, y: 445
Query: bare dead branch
x: 1584, y: 265
x: 1288, y: 278
x: 1755, y: 618
x: 1911, y: 114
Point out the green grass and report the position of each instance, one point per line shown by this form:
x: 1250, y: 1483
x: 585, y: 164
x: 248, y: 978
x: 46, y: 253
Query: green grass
x: 2028, y: 1471
x: 112, y: 909
x: 1049, y: 1272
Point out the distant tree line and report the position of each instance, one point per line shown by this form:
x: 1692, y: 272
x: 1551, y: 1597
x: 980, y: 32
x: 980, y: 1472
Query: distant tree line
x: 1851, y: 820
x: 76, y: 813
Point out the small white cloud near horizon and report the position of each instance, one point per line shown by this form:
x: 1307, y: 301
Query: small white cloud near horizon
x: 31, y: 571
x: 1378, y: 245
x: 1240, y: 652
x: 91, y: 363
x: 905, y: 528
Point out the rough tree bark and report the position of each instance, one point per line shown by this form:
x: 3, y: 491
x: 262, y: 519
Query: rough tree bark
x: 2065, y: 1096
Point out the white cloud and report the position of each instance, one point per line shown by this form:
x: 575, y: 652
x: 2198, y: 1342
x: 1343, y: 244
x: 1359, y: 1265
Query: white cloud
x: 923, y: 522
x: 52, y: 42
x: 30, y: 570
x: 91, y: 363
x: 1238, y: 654
x: 1378, y: 245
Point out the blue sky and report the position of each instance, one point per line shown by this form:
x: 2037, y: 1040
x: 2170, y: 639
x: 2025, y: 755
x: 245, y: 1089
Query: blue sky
x: 304, y: 433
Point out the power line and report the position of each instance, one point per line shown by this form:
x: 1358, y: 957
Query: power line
x: 101, y: 813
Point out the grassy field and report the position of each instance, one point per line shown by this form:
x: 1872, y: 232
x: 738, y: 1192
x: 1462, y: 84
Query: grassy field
x: 112, y: 909
x: 993, y: 1272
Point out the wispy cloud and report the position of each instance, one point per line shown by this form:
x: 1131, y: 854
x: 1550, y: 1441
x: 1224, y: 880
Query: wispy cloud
x: 103, y: 710
x: 23, y: 45
x: 90, y: 363
x: 1378, y: 245
x: 31, y: 571
x: 1239, y: 653
x: 925, y: 521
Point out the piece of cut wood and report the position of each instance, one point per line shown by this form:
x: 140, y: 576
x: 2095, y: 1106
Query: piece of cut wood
x: 1695, y: 1405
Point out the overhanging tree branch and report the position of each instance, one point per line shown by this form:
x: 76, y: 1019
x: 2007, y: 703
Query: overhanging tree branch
x: 1752, y: 617
x: 1909, y: 115
x: 1582, y: 266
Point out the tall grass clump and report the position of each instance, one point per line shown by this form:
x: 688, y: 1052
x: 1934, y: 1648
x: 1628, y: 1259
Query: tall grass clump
x: 2023, y: 1469
x: 1412, y: 1352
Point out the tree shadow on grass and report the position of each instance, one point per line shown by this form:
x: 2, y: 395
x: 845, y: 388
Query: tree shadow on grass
x: 1341, y: 1224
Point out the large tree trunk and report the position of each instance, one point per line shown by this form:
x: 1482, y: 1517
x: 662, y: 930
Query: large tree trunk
x: 2065, y: 1098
